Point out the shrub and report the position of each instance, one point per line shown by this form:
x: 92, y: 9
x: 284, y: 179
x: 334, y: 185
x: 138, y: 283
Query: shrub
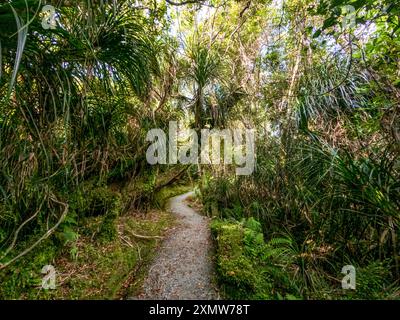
x: 247, y: 266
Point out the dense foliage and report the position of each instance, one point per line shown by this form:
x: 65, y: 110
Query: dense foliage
x: 327, y: 175
x: 317, y: 80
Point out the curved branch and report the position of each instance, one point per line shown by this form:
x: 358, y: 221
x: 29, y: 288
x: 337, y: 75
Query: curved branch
x: 43, y: 237
x: 19, y: 229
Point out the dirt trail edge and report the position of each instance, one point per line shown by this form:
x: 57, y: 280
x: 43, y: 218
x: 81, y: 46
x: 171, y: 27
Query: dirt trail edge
x: 183, y: 267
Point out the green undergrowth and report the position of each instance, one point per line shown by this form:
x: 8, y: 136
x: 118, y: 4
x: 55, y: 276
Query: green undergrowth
x: 250, y: 267
x: 88, y: 268
x: 98, y: 252
x: 247, y: 267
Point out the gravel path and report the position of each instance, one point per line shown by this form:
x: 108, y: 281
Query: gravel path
x: 183, y: 267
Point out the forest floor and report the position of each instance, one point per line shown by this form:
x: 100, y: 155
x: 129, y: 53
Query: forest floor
x: 183, y: 267
x: 160, y: 254
x: 96, y: 270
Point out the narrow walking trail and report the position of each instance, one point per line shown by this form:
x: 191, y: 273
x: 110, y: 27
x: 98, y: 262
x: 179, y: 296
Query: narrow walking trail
x: 183, y: 268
